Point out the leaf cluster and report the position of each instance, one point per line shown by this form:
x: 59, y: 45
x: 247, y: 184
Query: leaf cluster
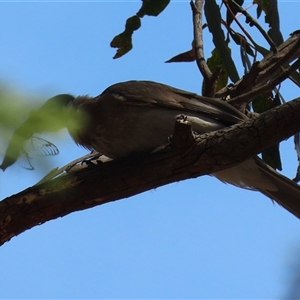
x: 231, y: 25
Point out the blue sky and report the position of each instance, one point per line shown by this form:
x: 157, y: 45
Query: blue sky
x: 197, y: 238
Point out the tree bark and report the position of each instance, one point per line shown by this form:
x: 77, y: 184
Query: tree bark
x: 188, y: 156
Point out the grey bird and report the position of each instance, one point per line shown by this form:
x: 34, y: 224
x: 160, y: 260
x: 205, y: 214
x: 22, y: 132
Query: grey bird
x: 139, y: 116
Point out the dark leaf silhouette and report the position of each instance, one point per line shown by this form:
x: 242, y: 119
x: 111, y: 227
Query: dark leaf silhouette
x: 123, y: 41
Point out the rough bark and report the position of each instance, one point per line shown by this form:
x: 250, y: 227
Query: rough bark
x: 88, y: 185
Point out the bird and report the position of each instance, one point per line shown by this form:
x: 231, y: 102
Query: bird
x: 133, y: 117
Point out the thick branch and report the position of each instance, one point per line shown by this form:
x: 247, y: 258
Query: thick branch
x: 95, y: 185
x: 269, y: 86
x: 267, y: 69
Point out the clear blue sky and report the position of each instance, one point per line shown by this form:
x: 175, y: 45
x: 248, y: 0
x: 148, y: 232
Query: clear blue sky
x: 198, y: 238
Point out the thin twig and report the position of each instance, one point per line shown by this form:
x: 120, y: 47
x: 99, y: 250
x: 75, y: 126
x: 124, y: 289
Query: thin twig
x: 280, y: 61
x: 198, y: 39
x: 247, y: 97
x: 240, y: 25
x: 287, y: 52
x: 257, y: 25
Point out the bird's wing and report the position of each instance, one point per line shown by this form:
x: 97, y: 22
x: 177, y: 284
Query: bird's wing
x: 152, y: 94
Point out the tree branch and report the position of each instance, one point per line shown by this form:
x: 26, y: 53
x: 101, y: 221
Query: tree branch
x: 268, y: 68
x: 95, y: 185
x: 253, y: 22
x: 247, y: 97
x: 197, y: 8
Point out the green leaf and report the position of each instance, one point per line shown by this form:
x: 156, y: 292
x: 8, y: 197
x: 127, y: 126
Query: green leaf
x: 270, y: 8
x: 271, y: 156
x: 234, y: 9
x: 258, y: 11
x: 133, y: 23
x: 152, y: 7
x: 123, y: 41
x: 261, y: 104
x: 241, y: 40
x: 213, y: 18
x: 265, y: 102
x: 214, y: 62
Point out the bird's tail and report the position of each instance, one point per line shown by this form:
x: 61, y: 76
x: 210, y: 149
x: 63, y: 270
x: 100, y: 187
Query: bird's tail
x: 287, y: 193
x: 256, y: 175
